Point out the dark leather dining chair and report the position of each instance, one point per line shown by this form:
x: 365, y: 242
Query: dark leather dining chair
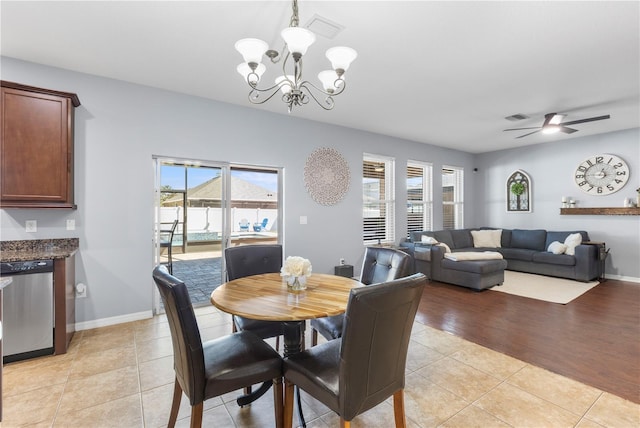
x: 362, y: 369
x: 380, y: 265
x: 210, y: 369
x: 247, y: 260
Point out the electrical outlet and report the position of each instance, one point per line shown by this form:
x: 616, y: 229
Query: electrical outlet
x: 71, y: 224
x: 81, y: 290
x: 31, y: 226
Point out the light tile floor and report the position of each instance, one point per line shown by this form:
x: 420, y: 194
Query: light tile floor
x: 122, y: 376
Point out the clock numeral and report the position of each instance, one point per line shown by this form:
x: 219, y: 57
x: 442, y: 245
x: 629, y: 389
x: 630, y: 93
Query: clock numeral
x: 582, y: 168
x: 580, y: 176
x: 590, y: 188
x: 599, y: 189
x: 582, y: 183
x: 610, y: 187
x: 621, y: 173
x: 599, y: 159
x: 618, y: 181
x: 589, y: 162
x: 618, y: 165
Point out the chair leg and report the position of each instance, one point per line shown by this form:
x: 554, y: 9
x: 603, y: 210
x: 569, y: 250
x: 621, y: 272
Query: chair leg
x: 277, y: 343
x: 398, y: 409
x: 278, y: 403
x: 288, y: 404
x: 175, y: 405
x: 314, y: 336
x: 196, y: 415
x: 169, y: 256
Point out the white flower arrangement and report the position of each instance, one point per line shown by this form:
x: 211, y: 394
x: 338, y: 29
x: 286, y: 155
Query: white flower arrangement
x: 296, y: 266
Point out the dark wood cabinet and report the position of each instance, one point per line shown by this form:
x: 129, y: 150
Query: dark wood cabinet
x: 36, y: 147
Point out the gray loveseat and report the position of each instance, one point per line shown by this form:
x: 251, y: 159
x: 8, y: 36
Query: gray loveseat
x: 523, y: 250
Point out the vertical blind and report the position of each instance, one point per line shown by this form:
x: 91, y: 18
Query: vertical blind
x: 378, y: 199
x: 419, y: 197
x: 452, y: 197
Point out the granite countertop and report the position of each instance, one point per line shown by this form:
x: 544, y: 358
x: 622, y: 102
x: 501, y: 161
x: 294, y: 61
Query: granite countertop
x: 37, y: 249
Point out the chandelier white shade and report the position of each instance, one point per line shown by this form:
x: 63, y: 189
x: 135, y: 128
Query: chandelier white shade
x: 295, y: 90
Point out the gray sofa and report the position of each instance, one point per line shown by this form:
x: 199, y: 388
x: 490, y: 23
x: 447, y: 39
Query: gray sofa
x: 522, y: 250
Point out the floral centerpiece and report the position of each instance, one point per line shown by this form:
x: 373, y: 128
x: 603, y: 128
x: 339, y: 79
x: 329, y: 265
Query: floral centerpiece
x: 296, y: 270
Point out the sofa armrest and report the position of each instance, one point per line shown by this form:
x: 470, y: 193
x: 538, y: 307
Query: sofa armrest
x: 587, y: 262
x: 437, y: 255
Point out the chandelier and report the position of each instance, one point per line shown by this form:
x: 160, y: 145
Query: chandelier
x: 295, y: 90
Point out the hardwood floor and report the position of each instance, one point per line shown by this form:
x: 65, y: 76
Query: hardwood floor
x: 594, y: 339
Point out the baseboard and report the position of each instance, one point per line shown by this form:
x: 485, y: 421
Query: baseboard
x: 623, y: 278
x: 103, y: 322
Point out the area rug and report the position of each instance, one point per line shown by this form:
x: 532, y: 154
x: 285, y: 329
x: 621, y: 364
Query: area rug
x: 540, y: 287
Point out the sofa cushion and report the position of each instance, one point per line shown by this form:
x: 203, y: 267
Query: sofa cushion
x: 517, y: 254
x: 505, y: 240
x: 557, y: 248
x: 444, y: 236
x: 561, y: 236
x: 554, y: 259
x: 487, y: 238
x: 572, y: 242
x: 461, y: 238
x: 474, y: 266
x: 534, y: 239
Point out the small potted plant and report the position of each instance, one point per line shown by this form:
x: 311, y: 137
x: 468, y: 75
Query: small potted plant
x: 638, y: 197
x: 517, y: 188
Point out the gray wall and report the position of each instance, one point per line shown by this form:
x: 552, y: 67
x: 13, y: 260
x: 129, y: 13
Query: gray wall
x: 551, y: 168
x: 120, y: 126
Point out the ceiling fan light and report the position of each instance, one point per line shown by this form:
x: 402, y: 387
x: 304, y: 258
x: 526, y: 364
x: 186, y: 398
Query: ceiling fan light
x: 555, y: 120
x: 298, y: 39
x: 251, y: 49
x: 341, y: 57
x: 550, y: 129
x: 245, y: 72
x: 285, y: 83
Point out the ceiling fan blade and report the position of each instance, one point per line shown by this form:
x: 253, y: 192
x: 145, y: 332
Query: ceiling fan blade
x: 567, y: 130
x: 528, y: 134
x: 591, y: 119
x: 521, y: 129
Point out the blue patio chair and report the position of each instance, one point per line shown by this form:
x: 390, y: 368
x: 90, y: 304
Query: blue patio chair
x: 244, y: 225
x: 264, y: 223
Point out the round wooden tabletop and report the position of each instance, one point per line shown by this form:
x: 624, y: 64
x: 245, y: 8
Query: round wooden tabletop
x: 265, y: 297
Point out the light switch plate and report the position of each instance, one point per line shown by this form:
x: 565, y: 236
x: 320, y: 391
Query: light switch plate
x: 303, y: 219
x: 31, y: 226
x: 71, y: 224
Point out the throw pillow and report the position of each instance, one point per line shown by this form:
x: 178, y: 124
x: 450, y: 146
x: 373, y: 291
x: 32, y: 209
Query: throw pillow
x: 486, y: 238
x: 428, y: 240
x: 445, y: 246
x: 572, y: 242
x: 557, y: 248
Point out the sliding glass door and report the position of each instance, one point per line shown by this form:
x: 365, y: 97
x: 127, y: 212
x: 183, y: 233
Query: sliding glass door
x: 216, y: 205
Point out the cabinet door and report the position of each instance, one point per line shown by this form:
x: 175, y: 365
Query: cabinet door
x: 36, y: 148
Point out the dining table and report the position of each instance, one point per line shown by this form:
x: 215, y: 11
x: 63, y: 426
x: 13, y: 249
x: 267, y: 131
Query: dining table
x: 268, y: 297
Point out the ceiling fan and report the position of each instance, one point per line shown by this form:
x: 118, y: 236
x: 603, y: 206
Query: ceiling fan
x: 553, y: 123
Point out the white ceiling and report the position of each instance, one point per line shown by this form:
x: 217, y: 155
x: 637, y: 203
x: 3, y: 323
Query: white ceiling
x: 443, y: 73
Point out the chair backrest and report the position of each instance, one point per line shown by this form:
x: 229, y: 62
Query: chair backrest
x: 384, y: 264
x: 188, y: 357
x: 264, y: 222
x: 166, y: 235
x: 375, y: 341
x: 249, y: 260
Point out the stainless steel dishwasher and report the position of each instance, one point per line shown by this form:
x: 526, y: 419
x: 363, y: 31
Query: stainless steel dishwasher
x: 27, y: 310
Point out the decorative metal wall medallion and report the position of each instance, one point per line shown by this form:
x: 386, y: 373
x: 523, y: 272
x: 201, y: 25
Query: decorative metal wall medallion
x: 326, y: 176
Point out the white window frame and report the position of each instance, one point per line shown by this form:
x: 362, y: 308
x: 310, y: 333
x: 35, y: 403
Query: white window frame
x: 384, y: 232
x: 422, y: 202
x: 453, y: 176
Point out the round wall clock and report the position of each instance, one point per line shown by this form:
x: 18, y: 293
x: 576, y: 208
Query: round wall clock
x: 326, y: 176
x: 601, y: 174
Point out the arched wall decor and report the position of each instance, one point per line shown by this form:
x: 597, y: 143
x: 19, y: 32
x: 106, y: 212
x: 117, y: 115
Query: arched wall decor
x: 519, y: 192
x: 326, y: 176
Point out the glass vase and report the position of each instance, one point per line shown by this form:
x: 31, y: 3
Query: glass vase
x: 296, y: 283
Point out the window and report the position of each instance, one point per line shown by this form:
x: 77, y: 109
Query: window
x: 452, y: 197
x: 378, y: 199
x: 419, y: 197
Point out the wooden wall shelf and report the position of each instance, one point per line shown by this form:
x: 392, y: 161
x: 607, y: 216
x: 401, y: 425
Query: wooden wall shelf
x: 600, y: 211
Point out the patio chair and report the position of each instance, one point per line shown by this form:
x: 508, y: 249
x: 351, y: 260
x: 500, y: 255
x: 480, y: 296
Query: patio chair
x: 166, y: 241
x: 244, y: 225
